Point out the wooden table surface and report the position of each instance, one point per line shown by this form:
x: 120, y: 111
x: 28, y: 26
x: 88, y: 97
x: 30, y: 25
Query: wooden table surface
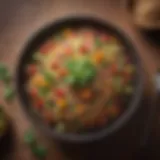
x: 19, y: 19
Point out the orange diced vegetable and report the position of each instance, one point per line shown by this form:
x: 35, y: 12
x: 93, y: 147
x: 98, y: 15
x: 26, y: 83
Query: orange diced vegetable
x: 98, y: 57
x: 61, y: 103
x: 86, y: 94
x: 55, y: 65
x: 39, y: 81
x: 63, y: 72
x: 83, y: 49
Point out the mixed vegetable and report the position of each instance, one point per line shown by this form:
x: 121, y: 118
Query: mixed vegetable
x: 78, y: 79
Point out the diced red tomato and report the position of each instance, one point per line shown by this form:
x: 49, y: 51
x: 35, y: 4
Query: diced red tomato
x: 39, y: 104
x: 33, y: 93
x: 47, y: 47
x: 83, y: 49
x: 104, y: 37
x: 114, y: 69
x: 31, y: 69
x: 86, y: 94
x: 88, y: 34
x: 55, y: 65
x: 60, y: 93
x: 48, y: 116
x: 63, y: 72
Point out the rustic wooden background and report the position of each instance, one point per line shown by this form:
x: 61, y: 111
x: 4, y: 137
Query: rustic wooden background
x: 19, y: 19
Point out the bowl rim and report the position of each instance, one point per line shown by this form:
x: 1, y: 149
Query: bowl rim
x: 122, y: 120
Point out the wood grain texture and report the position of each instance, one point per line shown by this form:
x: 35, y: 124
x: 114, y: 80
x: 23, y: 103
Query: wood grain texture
x: 19, y: 19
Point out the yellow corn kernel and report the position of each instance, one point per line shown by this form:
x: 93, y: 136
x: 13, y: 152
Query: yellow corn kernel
x: 61, y: 103
x: 38, y: 80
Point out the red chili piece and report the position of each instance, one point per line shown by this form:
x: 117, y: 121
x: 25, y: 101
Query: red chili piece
x: 33, y: 93
x: 31, y: 69
x: 83, y: 49
x: 39, y: 104
x: 60, y: 92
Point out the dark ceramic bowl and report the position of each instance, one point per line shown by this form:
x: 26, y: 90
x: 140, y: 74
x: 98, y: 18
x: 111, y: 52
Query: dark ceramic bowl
x: 74, y: 22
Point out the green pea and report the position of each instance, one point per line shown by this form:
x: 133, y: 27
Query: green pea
x: 39, y: 151
x: 29, y: 137
x: 9, y: 94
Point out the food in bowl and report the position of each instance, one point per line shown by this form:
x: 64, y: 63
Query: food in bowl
x: 79, y: 79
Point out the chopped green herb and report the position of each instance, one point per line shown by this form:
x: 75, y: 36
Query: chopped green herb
x: 82, y: 72
x: 29, y: 137
x: 48, y: 77
x: 40, y: 152
x: 9, y: 94
x: 43, y: 91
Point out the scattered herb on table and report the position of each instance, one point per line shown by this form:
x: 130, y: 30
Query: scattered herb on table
x: 9, y: 94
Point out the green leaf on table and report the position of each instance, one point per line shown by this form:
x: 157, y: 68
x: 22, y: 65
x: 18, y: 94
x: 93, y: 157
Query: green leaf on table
x: 4, y: 74
x: 39, y: 151
x: 9, y: 94
x: 29, y: 137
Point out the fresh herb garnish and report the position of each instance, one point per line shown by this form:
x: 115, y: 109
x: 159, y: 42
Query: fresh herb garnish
x: 81, y: 72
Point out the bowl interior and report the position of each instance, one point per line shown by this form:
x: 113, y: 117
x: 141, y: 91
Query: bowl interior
x: 41, y: 36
